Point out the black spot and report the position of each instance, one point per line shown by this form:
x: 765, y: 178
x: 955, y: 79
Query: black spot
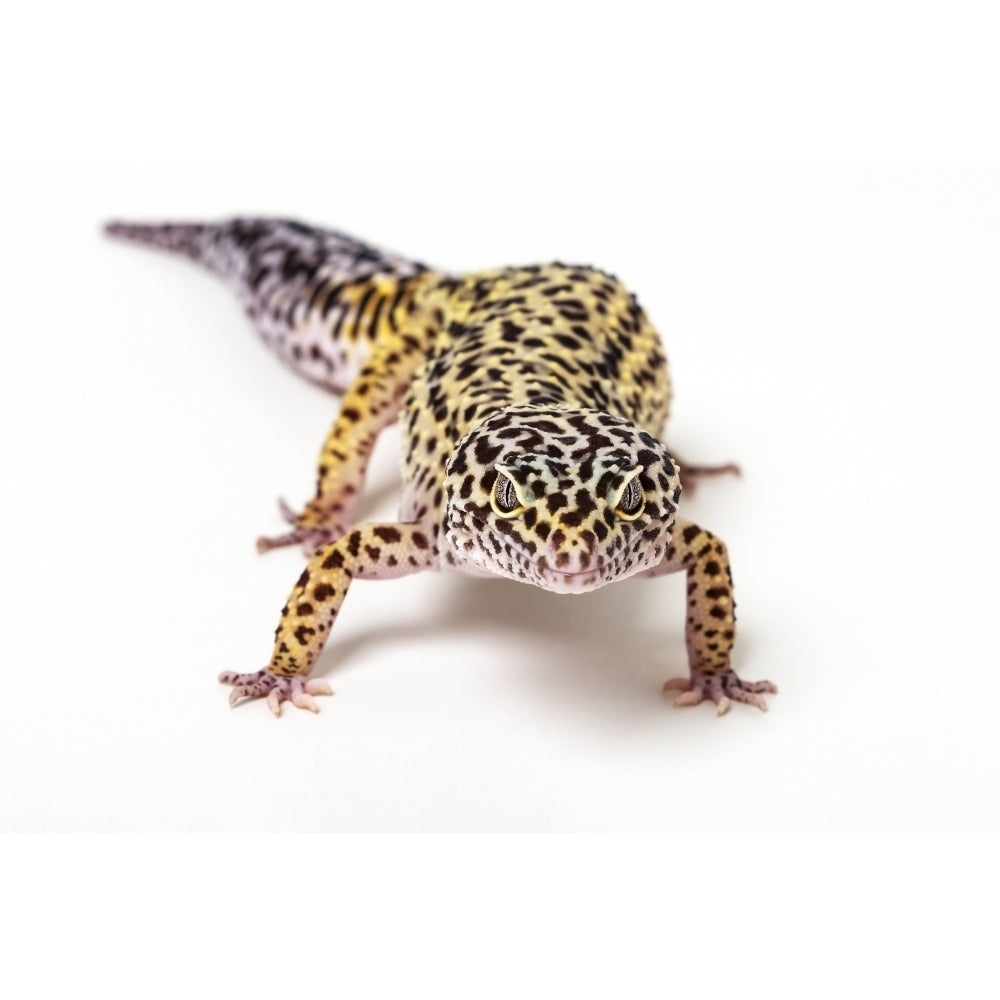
x: 546, y: 426
x: 487, y: 453
x: 556, y: 500
x: 585, y: 501
x: 302, y: 634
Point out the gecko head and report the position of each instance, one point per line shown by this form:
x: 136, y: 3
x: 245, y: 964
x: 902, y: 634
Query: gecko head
x: 566, y: 499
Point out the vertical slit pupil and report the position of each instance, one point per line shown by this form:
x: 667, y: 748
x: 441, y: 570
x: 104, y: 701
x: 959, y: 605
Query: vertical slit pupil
x: 632, y: 498
x: 506, y: 497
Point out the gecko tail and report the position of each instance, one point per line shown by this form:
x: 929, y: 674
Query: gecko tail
x: 250, y: 252
x: 318, y: 297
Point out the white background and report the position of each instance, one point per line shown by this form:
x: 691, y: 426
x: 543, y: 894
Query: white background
x: 832, y: 330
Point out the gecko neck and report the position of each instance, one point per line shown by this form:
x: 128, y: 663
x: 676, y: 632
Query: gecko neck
x: 530, y: 395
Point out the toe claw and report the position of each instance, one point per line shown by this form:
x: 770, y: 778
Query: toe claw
x: 274, y: 702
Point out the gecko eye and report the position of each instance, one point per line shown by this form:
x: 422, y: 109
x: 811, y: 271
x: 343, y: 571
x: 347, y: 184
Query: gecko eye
x: 630, y: 501
x: 504, y: 498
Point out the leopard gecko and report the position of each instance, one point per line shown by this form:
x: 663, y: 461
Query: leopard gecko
x: 530, y: 399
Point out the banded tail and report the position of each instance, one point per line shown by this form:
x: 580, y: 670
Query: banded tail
x: 319, y: 298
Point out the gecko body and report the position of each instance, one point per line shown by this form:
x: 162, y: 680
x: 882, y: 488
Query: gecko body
x: 530, y: 400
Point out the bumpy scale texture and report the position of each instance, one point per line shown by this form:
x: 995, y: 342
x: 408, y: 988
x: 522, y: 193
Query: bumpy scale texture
x: 529, y: 398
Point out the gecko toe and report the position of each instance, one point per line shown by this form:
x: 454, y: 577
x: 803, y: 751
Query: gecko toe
x: 316, y: 685
x: 689, y: 698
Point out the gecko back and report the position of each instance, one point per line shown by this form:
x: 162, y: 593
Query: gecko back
x: 319, y: 298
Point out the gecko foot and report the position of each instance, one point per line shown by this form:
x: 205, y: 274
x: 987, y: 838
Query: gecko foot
x: 310, y: 536
x: 722, y: 689
x: 299, y: 691
x: 691, y: 475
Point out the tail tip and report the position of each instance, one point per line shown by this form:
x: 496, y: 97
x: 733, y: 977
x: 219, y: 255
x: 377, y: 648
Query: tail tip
x: 183, y: 238
x: 118, y: 228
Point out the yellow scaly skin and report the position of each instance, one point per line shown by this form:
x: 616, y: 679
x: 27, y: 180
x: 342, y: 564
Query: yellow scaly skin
x: 529, y: 397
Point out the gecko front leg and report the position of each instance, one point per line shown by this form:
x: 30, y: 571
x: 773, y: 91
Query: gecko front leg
x: 711, y: 621
x: 374, y: 551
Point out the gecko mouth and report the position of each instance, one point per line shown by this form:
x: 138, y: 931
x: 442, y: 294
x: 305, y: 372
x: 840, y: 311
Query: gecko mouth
x: 546, y: 570
x: 577, y: 581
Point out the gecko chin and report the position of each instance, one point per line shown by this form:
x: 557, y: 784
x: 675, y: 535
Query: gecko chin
x: 464, y: 543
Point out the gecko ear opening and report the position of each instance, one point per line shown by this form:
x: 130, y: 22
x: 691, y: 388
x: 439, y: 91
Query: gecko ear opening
x: 505, y: 497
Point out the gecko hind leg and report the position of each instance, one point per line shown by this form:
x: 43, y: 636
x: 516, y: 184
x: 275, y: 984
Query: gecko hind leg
x: 310, y: 537
x: 372, y: 402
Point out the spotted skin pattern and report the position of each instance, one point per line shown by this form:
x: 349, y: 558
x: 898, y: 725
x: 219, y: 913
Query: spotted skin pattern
x: 529, y: 398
